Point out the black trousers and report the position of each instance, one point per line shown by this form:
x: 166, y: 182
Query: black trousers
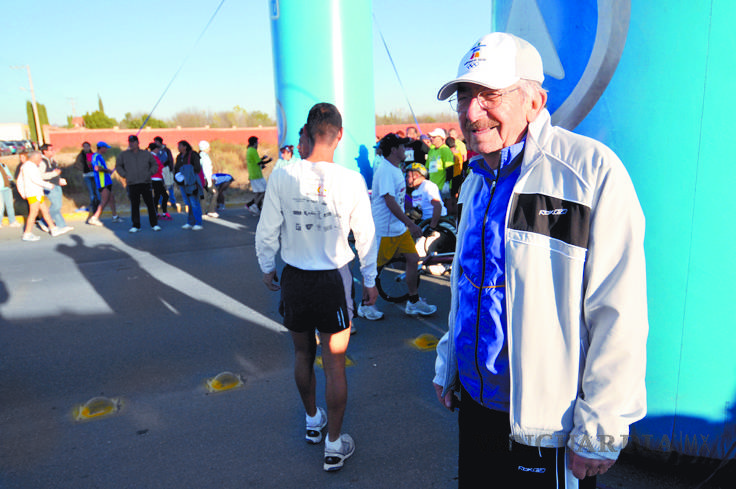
x: 135, y: 192
x: 487, y: 458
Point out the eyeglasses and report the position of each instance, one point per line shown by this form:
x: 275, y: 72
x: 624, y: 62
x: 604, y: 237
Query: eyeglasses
x: 488, y: 99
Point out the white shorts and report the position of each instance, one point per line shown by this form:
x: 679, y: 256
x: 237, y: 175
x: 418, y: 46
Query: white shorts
x: 258, y: 185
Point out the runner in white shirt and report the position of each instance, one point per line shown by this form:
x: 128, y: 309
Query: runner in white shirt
x: 394, y: 230
x: 310, y: 207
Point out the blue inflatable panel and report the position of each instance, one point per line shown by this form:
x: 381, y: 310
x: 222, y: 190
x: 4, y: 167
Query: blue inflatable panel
x: 654, y: 81
x: 323, y: 52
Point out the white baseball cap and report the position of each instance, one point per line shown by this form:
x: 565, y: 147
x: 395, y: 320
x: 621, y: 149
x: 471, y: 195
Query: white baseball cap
x: 497, y: 60
x: 438, y: 132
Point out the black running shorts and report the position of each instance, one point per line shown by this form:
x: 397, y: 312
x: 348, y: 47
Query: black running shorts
x: 315, y: 299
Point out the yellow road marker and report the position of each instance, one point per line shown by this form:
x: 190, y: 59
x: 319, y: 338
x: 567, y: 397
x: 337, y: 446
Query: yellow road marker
x: 95, y: 408
x: 425, y: 342
x: 224, y: 381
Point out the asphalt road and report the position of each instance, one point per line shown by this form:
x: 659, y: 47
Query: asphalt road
x: 146, y: 319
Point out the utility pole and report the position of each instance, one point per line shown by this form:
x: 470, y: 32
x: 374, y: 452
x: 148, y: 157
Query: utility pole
x: 39, y: 131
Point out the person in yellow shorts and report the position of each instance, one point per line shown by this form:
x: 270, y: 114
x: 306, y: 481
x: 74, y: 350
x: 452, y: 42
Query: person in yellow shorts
x: 394, y: 230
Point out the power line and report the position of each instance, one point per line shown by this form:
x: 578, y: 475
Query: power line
x: 181, y: 66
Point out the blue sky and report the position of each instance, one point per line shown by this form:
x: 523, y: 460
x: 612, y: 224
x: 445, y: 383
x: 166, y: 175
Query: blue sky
x: 128, y: 52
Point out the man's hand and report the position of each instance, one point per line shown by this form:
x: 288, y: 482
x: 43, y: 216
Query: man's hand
x: 270, y: 279
x: 416, y: 231
x: 370, y: 294
x: 585, y: 467
x: 62, y: 181
x: 448, y: 400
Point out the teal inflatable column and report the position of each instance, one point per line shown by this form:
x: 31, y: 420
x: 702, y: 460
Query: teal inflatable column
x: 654, y: 80
x: 323, y: 52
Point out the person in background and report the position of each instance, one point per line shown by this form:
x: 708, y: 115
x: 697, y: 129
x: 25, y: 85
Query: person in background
x: 222, y: 182
x: 83, y: 164
x: 255, y: 175
x: 137, y: 166
x: 440, y: 160
x: 209, y: 186
x: 6, y: 196
x: 186, y: 172
x: 305, y: 144
x: 31, y: 187
x: 395, y: 232
x: 167, y: 158
x: 416, y: 148
x: 51, y: 172
x: 548, y: 321
x: 160, y: 195
x: 103, y: 181
x: 457, y: 171
x: 286, y: 155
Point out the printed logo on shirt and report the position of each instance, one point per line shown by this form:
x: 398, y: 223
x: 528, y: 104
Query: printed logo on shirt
x: 553, y: 212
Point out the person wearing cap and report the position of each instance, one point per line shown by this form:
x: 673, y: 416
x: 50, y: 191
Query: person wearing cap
x: 425, y: 194
x: 137, y: 166
x: 209, y: 185
x: 286, y: 157
x: 548, y: 320
x: 103, y: 182
x: 308, y: 212
x: 440, y: 161
x: 395, y: 232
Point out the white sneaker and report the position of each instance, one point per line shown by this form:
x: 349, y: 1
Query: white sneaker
x: 56, y: 232
x: 156, y: 228
x: 419, y: 307
x: 134, y: 229
x: 213, y: 214
x: 43, y: 227
x: 14, y: 224
x: 254, y: 209
x: 370, y: 313
x: 187, y: 226
x: 30, y: 237
x: 315, y: 431
x: 335, y: 456
x: 94, y: 221
x: 116, y: 218
x: 197, y: 227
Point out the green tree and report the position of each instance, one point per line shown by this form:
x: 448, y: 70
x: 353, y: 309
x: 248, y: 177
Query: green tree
x: 42, y: 116
x: 99, y: 104
x: 131, y: 121
x: 98, y: 120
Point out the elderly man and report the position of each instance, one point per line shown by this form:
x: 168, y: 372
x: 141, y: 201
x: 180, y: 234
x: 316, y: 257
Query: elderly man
x: 137, y: 166
x: 548, y: 322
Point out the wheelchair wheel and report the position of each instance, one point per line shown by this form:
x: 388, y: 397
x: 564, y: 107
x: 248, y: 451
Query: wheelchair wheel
x: 445, y: 242
x: 391, y: 280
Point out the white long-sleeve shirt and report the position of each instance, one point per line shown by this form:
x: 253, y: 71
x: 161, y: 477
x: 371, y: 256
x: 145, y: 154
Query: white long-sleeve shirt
x: 308, y: 211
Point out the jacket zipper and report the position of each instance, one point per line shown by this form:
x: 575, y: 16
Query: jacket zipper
x: 482, y: 280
